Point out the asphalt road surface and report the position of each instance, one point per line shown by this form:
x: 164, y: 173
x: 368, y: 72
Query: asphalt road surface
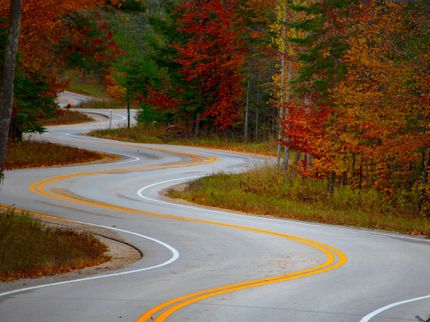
x: 201, y: 264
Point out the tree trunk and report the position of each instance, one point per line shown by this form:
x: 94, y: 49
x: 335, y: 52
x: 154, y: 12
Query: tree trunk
x: 331, y: 183
x: 197, y: 126
x: 426, y: 166
x: 281, y: 98
x: 286, y: 162
x: 246, y: 125
x: 257, y: 112
x: 344, y: 179
x: 128, y: 108
x: 6, y: 90
x: 424, y: 179
x: 360, y: 175
x: 367, y: 173
x: 353, y: 181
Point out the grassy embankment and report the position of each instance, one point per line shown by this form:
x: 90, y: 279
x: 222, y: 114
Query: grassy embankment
x: 266, y: 191
x: 87, y: 85
x: 143, y: 134
x: 62, y: 117
x: 28, y: 154
x: 92, y: 86
x: 30, y: 248
x: 107, y: 104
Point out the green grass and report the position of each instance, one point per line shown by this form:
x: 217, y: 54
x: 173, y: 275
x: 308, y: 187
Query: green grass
x: 102, y: 104
x: 66, y: 117
x: 88, y: 85
x: 87, y: 89
x: 30, y: 248
x: 266, y: 191
x: 28, y: 154
x: 134, y: 134
x: 142, y: 134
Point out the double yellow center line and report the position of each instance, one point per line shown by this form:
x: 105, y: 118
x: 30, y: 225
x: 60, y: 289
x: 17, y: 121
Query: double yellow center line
x: 334, y: 257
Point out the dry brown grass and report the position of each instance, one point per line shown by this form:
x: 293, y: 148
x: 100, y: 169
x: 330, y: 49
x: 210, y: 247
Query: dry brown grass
x: 147, y: 134
x: 29, y: 248
x: 29, y: 154
x: 267, y: 191
x: 66, y: 117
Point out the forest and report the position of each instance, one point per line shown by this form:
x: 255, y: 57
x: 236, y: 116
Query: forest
x: 341, y: 86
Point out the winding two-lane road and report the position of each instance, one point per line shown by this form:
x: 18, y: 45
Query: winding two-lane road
x: 201, y: 264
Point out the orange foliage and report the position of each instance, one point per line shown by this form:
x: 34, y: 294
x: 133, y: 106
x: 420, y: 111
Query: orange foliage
x: 41, y: 29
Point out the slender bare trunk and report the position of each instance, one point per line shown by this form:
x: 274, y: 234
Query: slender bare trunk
x: 246, y: 125
x: 197, y: 126
x: 257, y: 111
x: 360, y: 175
x: 426, y: 166
x: 6, y: 90
x: 331, y: 182
x: 367, y: 173
x: 128, y: 108
x: 286, y: 162
x: 281, y: 99
x: 344, y: 179
x: 297, y: 156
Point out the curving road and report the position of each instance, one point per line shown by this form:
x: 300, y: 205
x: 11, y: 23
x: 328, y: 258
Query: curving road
x: 201, y: 264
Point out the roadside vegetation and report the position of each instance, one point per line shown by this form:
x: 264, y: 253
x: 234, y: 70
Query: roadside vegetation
x: 30, y: 248
x: 173, y: 135
x: 79, y: 81
x: 267, y: 191
x: 354, y: 135
x: 28, y: 154
x: 102, y: 104
x: 63, y: 116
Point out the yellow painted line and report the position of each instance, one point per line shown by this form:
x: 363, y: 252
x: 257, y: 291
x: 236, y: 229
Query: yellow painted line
x: 335, y: 258
x: 181, y: 302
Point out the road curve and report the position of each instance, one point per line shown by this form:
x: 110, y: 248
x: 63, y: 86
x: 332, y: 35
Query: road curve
x: 229, y: 267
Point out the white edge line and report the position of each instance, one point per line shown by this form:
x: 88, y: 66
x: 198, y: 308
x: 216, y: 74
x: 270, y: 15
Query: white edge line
x: 367, y: 318
x: 371, y: 315
x: 226, y: 212
x: 175, y: 256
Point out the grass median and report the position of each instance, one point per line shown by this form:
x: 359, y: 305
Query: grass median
x: 30, y: 248
x: 63, y: 117
x: 27, y: 154
x: 267, y: 191
x: 161, y: 135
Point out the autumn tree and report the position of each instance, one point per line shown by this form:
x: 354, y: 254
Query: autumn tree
x: 257, y: 16
x: 315, y: 45
x: 212, y: 57
x: 382, y: 115
x: 87, y: 43
x: 42, y: 27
